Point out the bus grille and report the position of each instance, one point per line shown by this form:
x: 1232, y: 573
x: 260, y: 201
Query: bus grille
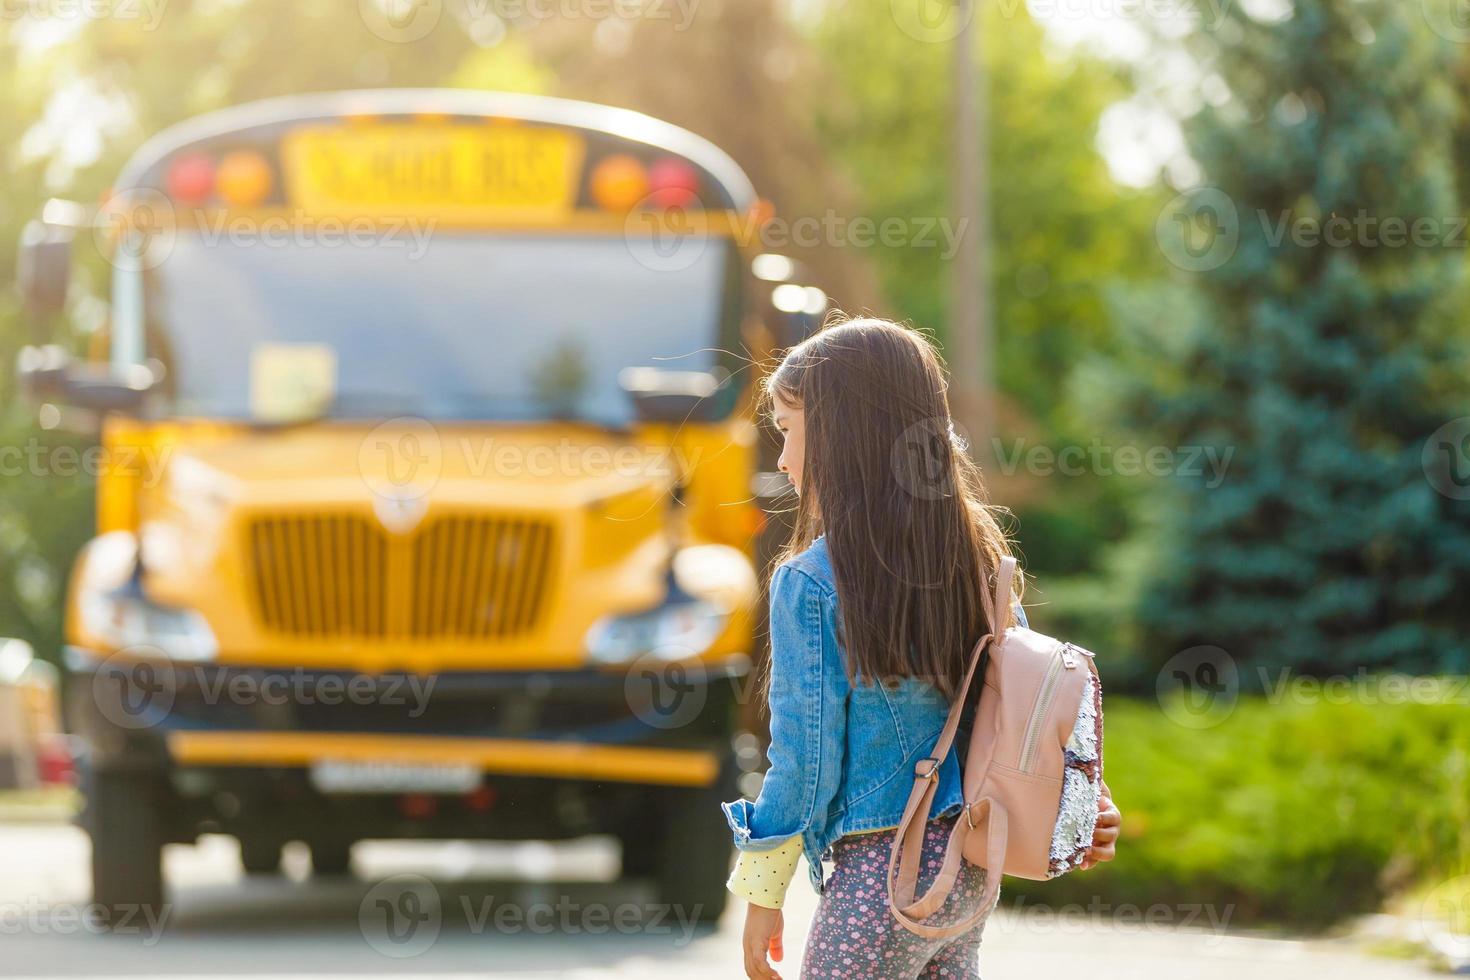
x: 456, y: 577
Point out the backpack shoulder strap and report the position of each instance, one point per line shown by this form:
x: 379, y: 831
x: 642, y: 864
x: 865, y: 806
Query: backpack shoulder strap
x: 909, y: 839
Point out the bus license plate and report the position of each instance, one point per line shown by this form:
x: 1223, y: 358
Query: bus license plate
x: 406, y: 169
x: 394, y: 777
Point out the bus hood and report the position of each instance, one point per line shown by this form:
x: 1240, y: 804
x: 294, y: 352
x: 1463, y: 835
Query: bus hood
x: 421, y: 549
x: 538, y: 468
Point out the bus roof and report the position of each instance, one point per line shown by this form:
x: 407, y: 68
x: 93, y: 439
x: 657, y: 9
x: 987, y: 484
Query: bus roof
x: 621, y: 123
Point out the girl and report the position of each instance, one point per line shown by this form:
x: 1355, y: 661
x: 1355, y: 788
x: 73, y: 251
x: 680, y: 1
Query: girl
x: 877, y: 604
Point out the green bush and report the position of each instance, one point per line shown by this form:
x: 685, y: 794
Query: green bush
x: 1287, y: 812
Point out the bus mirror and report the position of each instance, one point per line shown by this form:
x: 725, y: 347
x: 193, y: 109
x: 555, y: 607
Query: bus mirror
x: 43, y: 268
x: 49, y: 373
x: 675, y: 396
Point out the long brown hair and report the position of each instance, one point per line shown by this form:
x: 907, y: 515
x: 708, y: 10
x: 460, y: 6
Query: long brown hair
x: 913, y: 542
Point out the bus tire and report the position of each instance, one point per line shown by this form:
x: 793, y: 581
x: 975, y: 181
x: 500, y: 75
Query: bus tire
x: 642, y: 852
x: 330, y: 857
x: 260, y: 855
x: 125, y: 825
x: 695, y: 863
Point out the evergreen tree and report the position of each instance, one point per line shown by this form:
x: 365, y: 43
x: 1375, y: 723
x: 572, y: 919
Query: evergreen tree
x: 1325, y: 247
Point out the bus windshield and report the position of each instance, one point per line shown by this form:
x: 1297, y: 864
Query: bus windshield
x: 460, y: 326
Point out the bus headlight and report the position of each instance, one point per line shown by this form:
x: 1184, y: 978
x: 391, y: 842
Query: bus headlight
x: 124, y: 617
x: 673, y: 631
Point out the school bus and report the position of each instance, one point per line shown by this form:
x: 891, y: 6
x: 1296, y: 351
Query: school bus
x: 427, y: 504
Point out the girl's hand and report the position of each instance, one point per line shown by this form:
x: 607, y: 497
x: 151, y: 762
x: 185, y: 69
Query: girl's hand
x: 1105, y: 836
x: 762, y: 936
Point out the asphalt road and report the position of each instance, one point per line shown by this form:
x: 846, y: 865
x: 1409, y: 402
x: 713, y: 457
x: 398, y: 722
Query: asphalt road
x: 532, y: 910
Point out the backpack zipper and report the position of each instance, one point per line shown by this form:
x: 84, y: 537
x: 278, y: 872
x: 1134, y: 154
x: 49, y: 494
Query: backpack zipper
x: 1044, y: 697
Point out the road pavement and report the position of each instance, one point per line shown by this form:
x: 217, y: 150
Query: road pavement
x: 450, y: 910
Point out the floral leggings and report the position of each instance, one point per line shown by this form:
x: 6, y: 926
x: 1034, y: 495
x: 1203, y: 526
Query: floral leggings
x: 853, y: 933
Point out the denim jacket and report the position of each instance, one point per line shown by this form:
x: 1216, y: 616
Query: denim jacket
x: 842, y: 757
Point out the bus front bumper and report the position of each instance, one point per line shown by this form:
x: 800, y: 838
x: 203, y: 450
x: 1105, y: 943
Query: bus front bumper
x: 585, y: 725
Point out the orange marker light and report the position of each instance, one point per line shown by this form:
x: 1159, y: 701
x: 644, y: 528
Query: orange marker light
x: 619, y: 182
x: 244, y: 178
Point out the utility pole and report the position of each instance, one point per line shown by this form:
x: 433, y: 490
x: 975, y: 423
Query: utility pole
x: 971, y: 333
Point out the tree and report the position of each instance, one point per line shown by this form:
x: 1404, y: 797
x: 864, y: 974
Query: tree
x: 1321, y: 357
x: 1063, y: 234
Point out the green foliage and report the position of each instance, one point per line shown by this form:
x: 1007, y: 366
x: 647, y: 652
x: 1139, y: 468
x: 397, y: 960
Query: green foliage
x: 1324, y: 368
x: 1289, y: 811
x: 1061, y: 227
x: 1062, y: 231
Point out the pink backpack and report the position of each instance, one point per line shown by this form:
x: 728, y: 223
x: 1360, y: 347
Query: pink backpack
x: 1032, y: 772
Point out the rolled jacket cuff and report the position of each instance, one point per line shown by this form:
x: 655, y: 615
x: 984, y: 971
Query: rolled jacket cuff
x: 738, y: 815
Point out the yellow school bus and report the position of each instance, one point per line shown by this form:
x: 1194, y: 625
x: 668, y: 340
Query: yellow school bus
x: 427, y: 501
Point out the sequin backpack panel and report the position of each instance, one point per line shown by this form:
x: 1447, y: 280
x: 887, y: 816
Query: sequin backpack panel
x: 1032, y: 771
